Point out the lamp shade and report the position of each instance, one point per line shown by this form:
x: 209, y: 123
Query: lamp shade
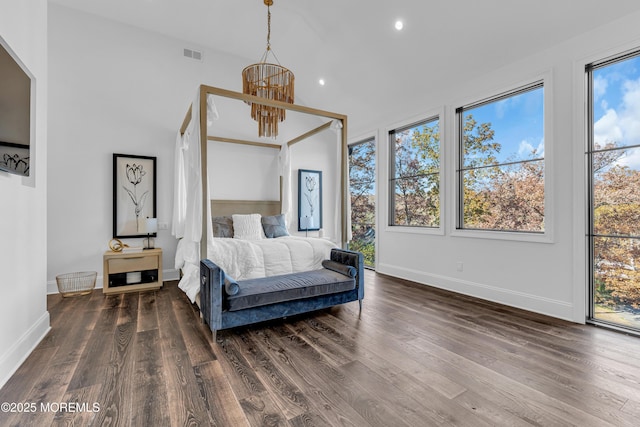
x: 306, y: 222
x: 152, y: 225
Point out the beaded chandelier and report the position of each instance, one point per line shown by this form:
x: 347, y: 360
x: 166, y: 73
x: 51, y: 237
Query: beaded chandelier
x: 269, y: 81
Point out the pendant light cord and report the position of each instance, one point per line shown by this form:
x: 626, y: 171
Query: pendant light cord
x: 268, y: 27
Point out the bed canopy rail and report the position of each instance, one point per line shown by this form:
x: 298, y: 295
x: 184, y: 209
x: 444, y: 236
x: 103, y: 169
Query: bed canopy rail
x: 205, y: 91
x: 242, y: 142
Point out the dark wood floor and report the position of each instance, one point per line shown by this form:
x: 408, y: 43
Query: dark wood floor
x: 417, y: 357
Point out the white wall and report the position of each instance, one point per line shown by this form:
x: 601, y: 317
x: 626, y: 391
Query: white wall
x: 24, y: 318
x: 319, y: 152
x: 118, y: 89
x: 114, y: 89
x: 238, y: 172
x: 543, y: 277
x: 242, y: 172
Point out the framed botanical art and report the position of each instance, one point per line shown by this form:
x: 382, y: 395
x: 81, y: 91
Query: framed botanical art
x: 309, y: 200
x: 134, y: 194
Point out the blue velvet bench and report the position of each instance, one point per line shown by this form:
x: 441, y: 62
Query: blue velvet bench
x: 225, y: 303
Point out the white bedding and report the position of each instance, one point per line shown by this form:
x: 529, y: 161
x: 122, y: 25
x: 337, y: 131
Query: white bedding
x: 249, y: 259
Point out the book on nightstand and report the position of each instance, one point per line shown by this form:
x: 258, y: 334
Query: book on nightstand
x: 132, y: 249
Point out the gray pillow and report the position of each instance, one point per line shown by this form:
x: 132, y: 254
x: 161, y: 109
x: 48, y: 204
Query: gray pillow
x: 231, y: 287
x: 347, y: 270
x: 274, y: 226
x: 222, y: 226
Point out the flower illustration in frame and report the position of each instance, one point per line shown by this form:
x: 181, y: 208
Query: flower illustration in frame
x: 309, y: 200
x: 134, y: 194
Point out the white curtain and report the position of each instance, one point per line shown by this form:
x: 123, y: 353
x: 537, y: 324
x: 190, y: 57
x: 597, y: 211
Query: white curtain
x: 193, y: 159
x: 187, y: 208
x: 212, y: 111
x: 179, y: 186
x: 284, y: 163
x: 188, y: 203
x: 337, y: 127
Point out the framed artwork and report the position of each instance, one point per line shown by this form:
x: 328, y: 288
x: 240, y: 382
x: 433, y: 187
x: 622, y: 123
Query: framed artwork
x: 134, y: 194
x: 14, y: 158
x: 309, y: 200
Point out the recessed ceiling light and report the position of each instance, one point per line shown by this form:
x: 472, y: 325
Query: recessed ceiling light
x: 321, y: 82
x: 399, y: 25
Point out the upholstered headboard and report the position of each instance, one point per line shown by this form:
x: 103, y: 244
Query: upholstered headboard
x: 230, y: 207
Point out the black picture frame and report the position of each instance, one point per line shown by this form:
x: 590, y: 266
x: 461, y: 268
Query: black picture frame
x: 134, y: 194
x: 309, y: 200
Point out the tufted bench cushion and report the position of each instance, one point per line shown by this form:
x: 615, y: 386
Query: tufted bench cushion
x: 226, y: 304
x: 288, y: 287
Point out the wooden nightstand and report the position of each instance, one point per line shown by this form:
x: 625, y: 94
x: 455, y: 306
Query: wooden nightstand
x: 132, y: 272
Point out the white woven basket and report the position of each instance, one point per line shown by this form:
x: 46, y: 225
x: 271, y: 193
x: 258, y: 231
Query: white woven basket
x: 72, y: 284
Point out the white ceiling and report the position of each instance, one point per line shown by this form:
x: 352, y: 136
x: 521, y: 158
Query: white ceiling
x: 353, y: 45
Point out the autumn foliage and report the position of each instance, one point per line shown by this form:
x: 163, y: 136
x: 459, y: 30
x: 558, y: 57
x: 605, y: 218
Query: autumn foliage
x: 616, y: 229
x: 362, y: 188
x: 507, y: 196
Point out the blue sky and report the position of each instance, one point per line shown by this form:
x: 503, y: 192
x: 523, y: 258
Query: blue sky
x: 518, y: 123
x: 616, y: 107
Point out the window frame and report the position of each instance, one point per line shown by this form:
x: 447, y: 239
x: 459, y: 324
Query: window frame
x: 545, y: 81
x: 588, y: 68
x: 373, y: 137
x: 437, y: 114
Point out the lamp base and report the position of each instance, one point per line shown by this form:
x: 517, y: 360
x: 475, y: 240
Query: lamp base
x: 149, y: 243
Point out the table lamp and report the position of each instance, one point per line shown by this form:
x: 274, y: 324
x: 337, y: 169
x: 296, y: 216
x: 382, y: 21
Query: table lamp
x: 152, y: 228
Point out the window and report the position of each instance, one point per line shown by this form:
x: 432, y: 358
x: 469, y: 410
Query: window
x: 414, y: 185
x: 362, y: 189
x: 613, y: 158
x: 501, y: 162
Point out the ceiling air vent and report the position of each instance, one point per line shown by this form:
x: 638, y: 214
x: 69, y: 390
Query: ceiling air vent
x: 194, y: 54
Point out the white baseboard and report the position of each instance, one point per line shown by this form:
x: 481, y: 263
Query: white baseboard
x: 550, y: 307
x: 11, y: 360
x: 172, y: 274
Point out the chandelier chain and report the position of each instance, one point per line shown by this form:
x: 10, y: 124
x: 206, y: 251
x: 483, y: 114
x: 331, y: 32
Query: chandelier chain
x: 268, y: 27
x: 270, y: 81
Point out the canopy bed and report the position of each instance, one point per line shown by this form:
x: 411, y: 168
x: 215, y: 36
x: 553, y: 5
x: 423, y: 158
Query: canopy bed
x: 196, y: 215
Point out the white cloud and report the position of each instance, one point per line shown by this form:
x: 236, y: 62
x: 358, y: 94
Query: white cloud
x: 502, y: 107
x: 631, y: 159
x: 526, y: 148
x: 607, y: 128
x: 599, y: 86
x: 630, y: 117
x: 540, y: 148
x: 622, y: 124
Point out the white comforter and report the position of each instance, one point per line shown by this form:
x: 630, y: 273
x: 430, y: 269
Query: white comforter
x: 249, y: 259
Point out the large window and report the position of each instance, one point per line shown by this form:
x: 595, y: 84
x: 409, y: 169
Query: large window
x: 501, y: 162
x: 414, y: 186
x: 613, y: 155
x: 362, y: 188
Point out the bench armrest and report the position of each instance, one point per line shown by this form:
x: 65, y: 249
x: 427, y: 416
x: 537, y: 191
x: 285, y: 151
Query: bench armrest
x: 211, y: 291
x: 354, y: 259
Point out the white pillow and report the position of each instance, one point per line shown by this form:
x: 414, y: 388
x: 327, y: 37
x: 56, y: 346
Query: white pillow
x: 247, y: 227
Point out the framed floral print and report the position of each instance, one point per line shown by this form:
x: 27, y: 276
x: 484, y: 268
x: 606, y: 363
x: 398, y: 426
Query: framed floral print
x: 309, y: 200
x: 134, y: 194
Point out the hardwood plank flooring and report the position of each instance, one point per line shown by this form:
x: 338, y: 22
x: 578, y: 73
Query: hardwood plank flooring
x: 417, y: 356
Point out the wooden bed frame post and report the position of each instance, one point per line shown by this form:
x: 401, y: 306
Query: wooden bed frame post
x: 344, y: 184
x: 204, y: 171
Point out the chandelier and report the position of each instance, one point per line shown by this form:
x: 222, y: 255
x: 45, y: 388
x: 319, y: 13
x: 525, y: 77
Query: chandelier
x: 269, y: 81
